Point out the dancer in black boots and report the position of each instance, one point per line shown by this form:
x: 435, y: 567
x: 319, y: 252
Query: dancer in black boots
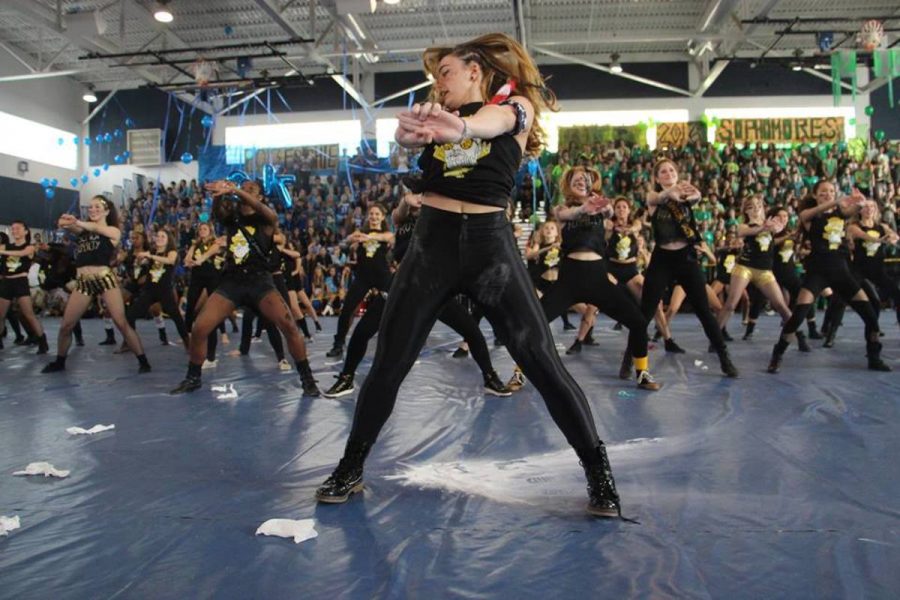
x: 246, y: 279
x: 453, y: 314
x: 17, y: 257
x: 674, y: 258
x: 463, y: 243
x: 583, y: 276
x: 160, y: 285
x: 205, y: 260
x: 97, y: 241
x: 292, y: 270
x: 372, y: 271
x: 829, y: 265
x: 755, y: 262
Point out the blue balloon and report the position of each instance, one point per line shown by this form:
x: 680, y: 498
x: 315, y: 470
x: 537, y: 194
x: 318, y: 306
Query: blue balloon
x: 204, y: 217
x: 117, y: 133
x: 126, y: 154
x: 85, y: 178
x: 45, y: 182
x: 98, y: 138
x: 74, y: 182
x: 207, y: 121
x: 87, y: 141
x: 54, y: 182
x: 117, y: 159
x: 129, y: 122
x: 60, y: 141
x: 49, y: 192
x: 187, y: 157
x: 105, y: 167
x: 96, y: 172
x: 533, y: 167
x: 229, y: 30
x: 77, y: 140
x: 107, y: 137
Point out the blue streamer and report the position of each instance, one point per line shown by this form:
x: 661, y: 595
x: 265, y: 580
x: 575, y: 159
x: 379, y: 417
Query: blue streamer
x: 155, y: 200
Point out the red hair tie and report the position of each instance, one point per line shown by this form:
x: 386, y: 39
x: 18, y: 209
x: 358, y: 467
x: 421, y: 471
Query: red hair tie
x: 504, y: 92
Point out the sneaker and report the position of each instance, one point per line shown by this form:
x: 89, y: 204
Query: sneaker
x: 189, y: 384
x: 461, y: 353
x: 210, y: 364
x: 284, y: 366
x: 337, y: 351
x: 645, y: 381
x: 517, y: 381
x: 672, y: 347
x: 342, y: 387
x: 575, y: 348
x: 494, y: 387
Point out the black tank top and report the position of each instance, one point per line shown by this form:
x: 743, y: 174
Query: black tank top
x: 785, y: 253
x: 134, y: 268
x: 622, y: 247
x: 758, y: 251
x: 212, y: 266
x: 287, y: 263
x: 867, y: 253
x: 474, y: 170
x: 160, y: 274
x: 402, y: 237
x: 584, y: 233
x: 371, y: 256
x: 548, y: 260
x: 726, y: 259
x: 4, y: 241
x: 248, y: 255
x: 94, y: 250
x: 16, y: 265
x: 827, y: 235
x: 674, y: 222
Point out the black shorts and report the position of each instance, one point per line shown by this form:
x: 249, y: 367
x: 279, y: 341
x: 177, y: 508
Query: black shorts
x: 245, y: 289
x: 10, y: 289
x: 623, y: 272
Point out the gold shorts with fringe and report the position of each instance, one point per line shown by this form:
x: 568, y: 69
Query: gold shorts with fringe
x: 96, y: 284
x: 757, y: 277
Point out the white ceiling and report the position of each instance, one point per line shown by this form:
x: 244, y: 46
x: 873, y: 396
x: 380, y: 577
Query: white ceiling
x: 42, y: 35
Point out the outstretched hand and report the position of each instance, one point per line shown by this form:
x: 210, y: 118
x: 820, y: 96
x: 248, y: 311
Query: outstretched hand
x: 429, y: 122
x: 220, y: 188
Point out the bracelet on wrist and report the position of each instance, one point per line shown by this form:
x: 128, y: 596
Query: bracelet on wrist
x: 465, y: 130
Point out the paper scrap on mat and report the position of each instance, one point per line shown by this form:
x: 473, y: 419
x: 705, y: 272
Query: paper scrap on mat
x: 43, y: 468
x: 301, y: 530
x: 91, y: 431
x: 7, y: 524
x: 230, y: 394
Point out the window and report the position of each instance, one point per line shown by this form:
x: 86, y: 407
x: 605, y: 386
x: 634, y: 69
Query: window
x: 38, y: 142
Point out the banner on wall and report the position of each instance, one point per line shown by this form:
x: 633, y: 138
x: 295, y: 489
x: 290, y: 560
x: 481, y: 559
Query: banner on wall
x: 680, y: 134
x: 780, y: 131
x: 298, y: 159
x: 575, y: 138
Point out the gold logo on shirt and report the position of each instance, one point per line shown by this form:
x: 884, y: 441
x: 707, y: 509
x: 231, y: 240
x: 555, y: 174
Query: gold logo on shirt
x: 460, y: 158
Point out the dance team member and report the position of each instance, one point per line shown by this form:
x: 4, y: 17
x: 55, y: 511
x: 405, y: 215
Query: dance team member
x: 463, y: 243
x: 17, y: 256
x: 246, y: 279
x: 96, y: 247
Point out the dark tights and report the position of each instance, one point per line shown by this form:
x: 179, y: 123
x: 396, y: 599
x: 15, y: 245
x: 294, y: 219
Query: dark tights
x: 151, y: 294
x: 474, y: 254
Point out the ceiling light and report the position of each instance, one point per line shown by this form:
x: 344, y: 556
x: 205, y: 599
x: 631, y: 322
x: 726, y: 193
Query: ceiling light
x: 392, y: 1
x: 796, y: 67
x: 615, y: 66
x: 89, y: 95
x: 162, y: 13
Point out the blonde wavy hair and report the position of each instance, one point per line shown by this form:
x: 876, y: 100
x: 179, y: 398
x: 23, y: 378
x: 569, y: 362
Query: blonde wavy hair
x: 566, y: 183
x: 501, y: 58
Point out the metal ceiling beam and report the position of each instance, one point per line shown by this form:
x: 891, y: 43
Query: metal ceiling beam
x: 827, y: 78
x: 711, y: 77
x: 519, y: 14
x: 605, y: 69
x: 32, y: 76
x: 404, y: 92
x: 18, y: 55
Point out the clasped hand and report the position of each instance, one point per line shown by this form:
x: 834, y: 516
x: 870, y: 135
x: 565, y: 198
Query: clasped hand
x: 426, y: 123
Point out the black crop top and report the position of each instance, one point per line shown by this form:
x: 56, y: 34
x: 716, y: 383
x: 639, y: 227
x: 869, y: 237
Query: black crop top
x: 622, y: 248
x: 726, y: 258
x: 209, y: 267
x: 826, y: 234
x: 674, y: 222
x: 243, y: 255
x: 584, y: 233
x: 371, y: 255
x: 473, y: 170
x: 786, y: 251
x: 94, y: 249
x: 869, y: 251
x: 16, y: 265
x: 160, y: 273
x: 547, y: 260
x: 758, y: 251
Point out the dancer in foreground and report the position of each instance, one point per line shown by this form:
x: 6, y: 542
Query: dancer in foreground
x: 463, y: 243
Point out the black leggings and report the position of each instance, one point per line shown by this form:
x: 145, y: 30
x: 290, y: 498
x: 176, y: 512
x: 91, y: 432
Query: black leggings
x: 360, y: 286
x: 671, y: 267
x: 474, y: 254
x: 151, y: 294
x: 195, y: 289
x: 453, y: 315
x: 587, y: 281
x: 872, y: 280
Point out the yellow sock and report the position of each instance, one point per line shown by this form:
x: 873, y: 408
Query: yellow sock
x: 642, y: 363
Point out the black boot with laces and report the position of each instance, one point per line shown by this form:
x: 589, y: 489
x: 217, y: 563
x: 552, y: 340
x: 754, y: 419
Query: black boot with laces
x: 342, y: 387
x: 347, y: 478
x: 603, y: 499
x: 307, y: 380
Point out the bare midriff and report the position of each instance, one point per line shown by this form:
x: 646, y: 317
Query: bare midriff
x: 456, y: 206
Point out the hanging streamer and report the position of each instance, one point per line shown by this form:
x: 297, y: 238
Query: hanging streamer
x: 843, y: 64
x: 155, y: 201
x: 887, y: 65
